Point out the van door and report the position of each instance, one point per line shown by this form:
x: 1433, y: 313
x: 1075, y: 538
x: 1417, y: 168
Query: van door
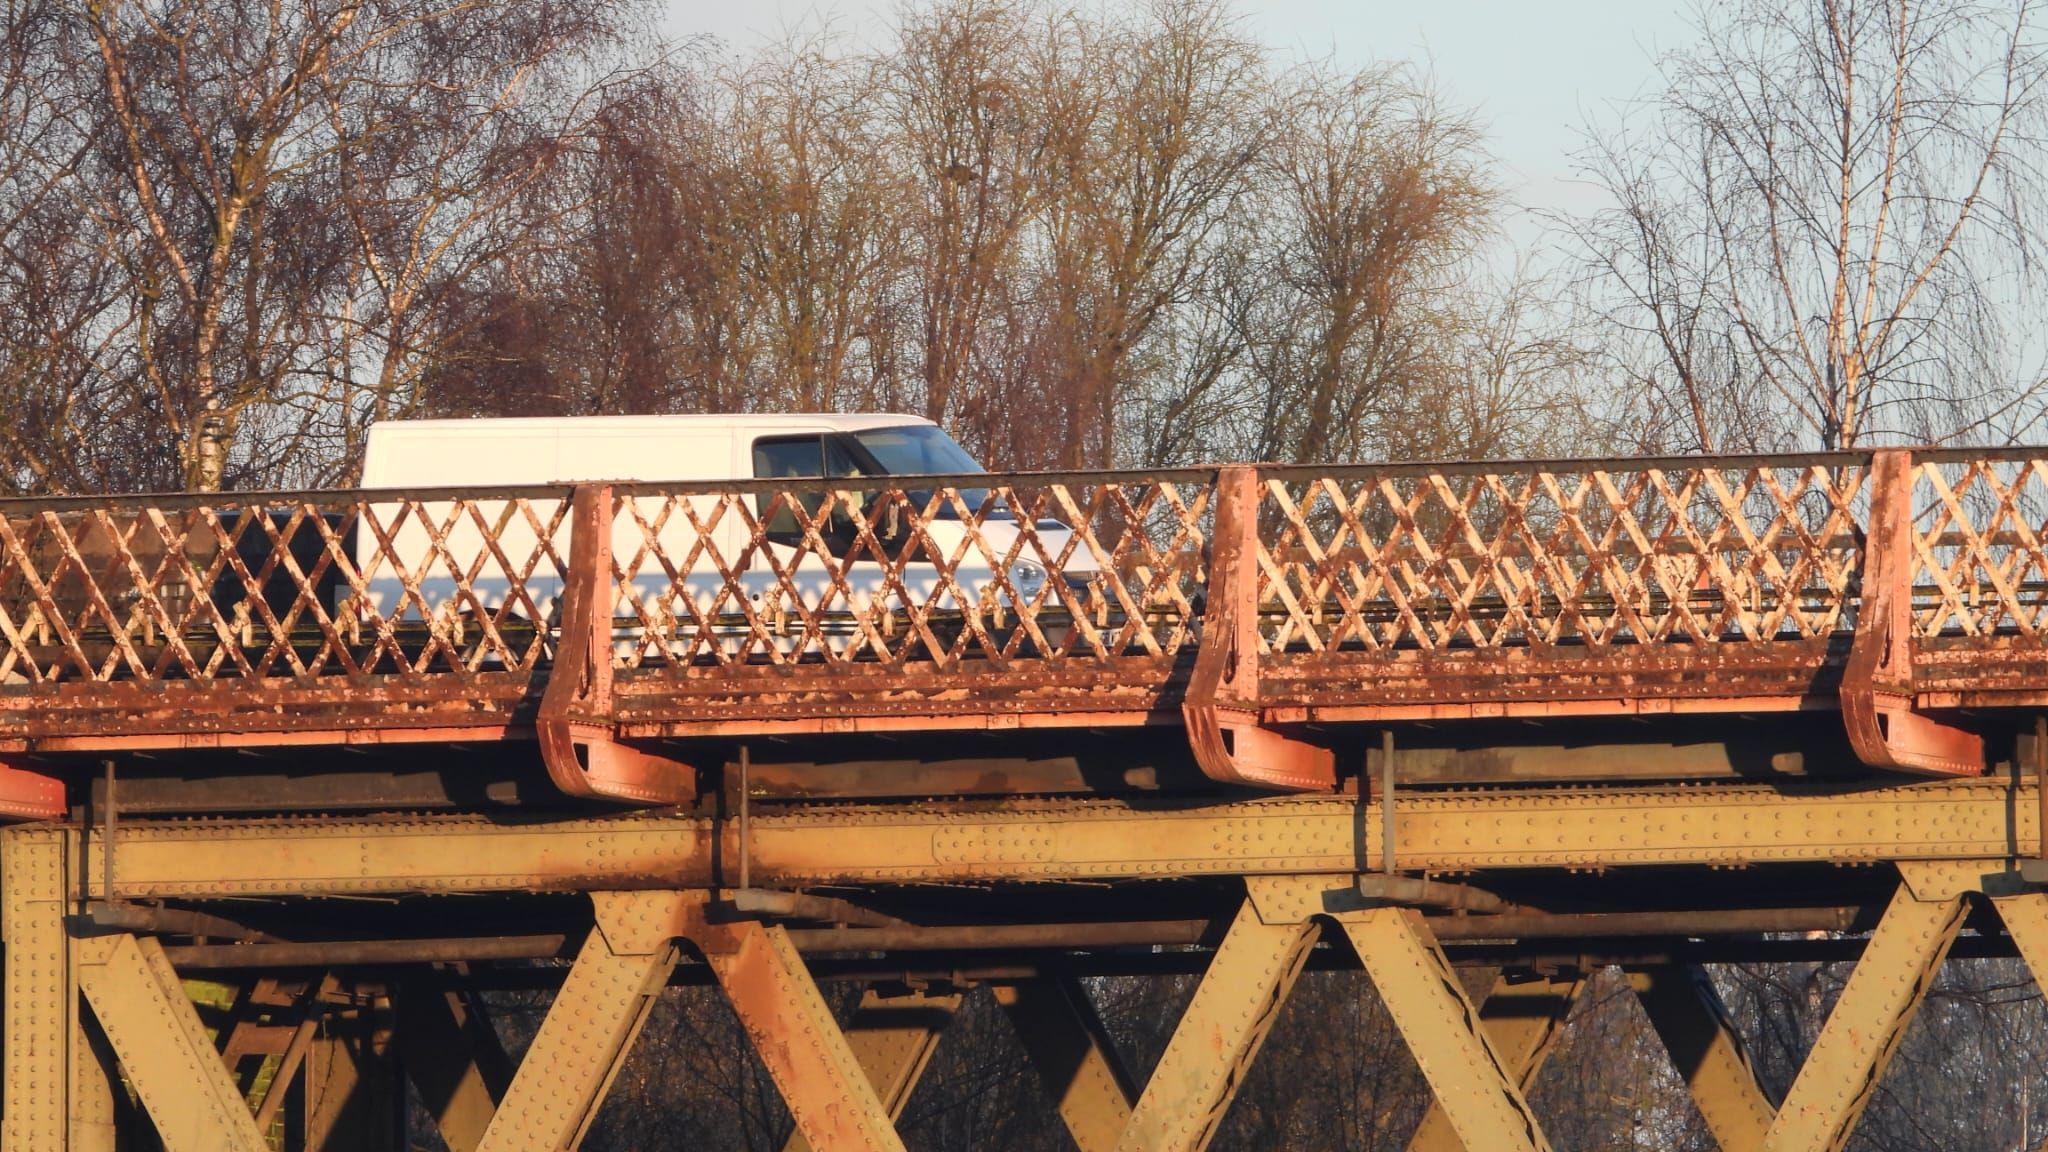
x: 799, y: 457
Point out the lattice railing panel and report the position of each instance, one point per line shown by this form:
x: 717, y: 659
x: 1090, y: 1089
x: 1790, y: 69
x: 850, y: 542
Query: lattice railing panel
x: 1979, y: 568
x: 297, y: 587
x: 1045, y: 570
x: 1568, y: 554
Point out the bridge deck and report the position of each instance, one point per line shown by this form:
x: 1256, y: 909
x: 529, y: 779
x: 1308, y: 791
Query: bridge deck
x: 1246, y: 603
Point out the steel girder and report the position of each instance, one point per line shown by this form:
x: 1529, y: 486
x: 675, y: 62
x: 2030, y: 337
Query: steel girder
x: 1708, y: 1053
x: 1075, y: 1058
x: 1477, y: 1088
x: 453, y: 1057
x: 893, y: 1038
x: 1088, y: 841
x: 1523, y: 1018
x: 1234, y: 1007
x: 171, y: 1062
x: 590, y: 1026
x: 1868, y: 1022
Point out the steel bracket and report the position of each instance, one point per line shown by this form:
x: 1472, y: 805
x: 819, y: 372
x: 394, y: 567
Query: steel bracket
x: 1221, y: 708
x: 577, y: 734
x: 29, y: 795
x: 1877, y: 680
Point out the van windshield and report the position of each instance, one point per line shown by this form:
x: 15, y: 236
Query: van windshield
x: 916, y: 450
x: 924, y: 450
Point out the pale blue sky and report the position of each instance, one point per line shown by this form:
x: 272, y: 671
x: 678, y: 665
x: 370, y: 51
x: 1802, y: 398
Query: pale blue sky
x: 1532, y: 71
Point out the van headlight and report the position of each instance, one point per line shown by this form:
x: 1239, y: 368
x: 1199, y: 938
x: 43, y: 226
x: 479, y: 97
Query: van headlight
x: 1028, y: 578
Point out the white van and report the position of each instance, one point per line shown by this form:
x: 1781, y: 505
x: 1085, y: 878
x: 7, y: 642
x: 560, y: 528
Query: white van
x: 685, y: 450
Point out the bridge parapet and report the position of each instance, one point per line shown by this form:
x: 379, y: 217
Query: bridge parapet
x: 1352, y: 594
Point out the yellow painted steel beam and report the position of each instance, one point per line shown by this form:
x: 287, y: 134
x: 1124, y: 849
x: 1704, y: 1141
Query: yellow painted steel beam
x: 2026, y: 919
x: 1523, y: 1019
x: 622, y: 966
x: 55, y: 1084
x: 1475, y: 1085
x: 1081, y: 840
x: 192, y: 1101
x: 893, y: 1038
x: 1074, y: 1057
x: 835, y: 1106
x: 1694, y: 1024
x: 1868, y: 1021
x: 1234, y: 1007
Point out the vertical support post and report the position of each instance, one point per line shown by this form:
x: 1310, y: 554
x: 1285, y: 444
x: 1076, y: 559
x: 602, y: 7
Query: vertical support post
x: 1387, y: 801
x: 893, y: 1038
x: 1234, y: 1007
x: 574, y: 726
x: 1876, y: 693
x: 1474, y: 1084
x: 1869, y: 1020
x: 1074, y: 1057
x: 835, y: 1106
x: 191, y: 1099
x: 1709, y: 1054
x: 1523, y: 1019
x: 57, y: 1090
x: 591, y: 1026
x: 1221, y: 707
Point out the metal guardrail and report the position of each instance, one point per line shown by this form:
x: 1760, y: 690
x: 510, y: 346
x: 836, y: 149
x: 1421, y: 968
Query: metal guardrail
x: 1368, y: 592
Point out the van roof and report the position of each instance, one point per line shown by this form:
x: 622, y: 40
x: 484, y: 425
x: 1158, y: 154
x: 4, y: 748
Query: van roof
x: 834, y: 421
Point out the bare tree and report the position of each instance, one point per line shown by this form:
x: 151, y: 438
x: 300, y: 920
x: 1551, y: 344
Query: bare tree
x: 286, y: 184
x: 1379, y: 196
x: 1823, y: 232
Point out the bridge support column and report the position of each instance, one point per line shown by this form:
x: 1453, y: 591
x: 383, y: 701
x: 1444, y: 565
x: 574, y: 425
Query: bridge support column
x: 1523, y: 1019
x: 1074, y: 1057
x: 1474, y: 1084
x: 818, y: 1072
x: 58, y: 1087
x: 1234, y: 1007
x: 893, y: 1038
x: 623, y: 965
x: 1869, y: 1020
x: 1696, y: 1030
x: 191, y: 1099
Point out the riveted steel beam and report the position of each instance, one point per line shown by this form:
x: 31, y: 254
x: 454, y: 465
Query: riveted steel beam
x: 893, y: 1038
x: 829, y: 1094
x: 1475, y: 1085
x: 1709, y: 1054
x: 1074, y: 1056
x: 1233, y: 1008
x: 56, y: 1084
x: 453, y: 1057
x: 192, y: 1101
x: 1868, y: 1021
x: 623, y: 965
x: 1523, y: 1017
x: 1080, y: 840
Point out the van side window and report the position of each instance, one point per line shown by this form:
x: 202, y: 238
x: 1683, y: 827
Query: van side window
x: 789, y: 457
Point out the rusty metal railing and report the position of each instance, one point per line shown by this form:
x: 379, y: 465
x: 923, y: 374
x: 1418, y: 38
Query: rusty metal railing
x: 1268, y: 596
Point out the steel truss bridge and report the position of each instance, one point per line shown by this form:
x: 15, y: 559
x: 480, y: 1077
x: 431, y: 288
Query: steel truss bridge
x: 358, y: 757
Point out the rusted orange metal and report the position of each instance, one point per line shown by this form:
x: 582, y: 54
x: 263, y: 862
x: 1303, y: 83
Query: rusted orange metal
x: 1222, y: 705
x: 575, y: 729
x: 26, y: 794
x: 1249, y: 604
x: 1877, y: 681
